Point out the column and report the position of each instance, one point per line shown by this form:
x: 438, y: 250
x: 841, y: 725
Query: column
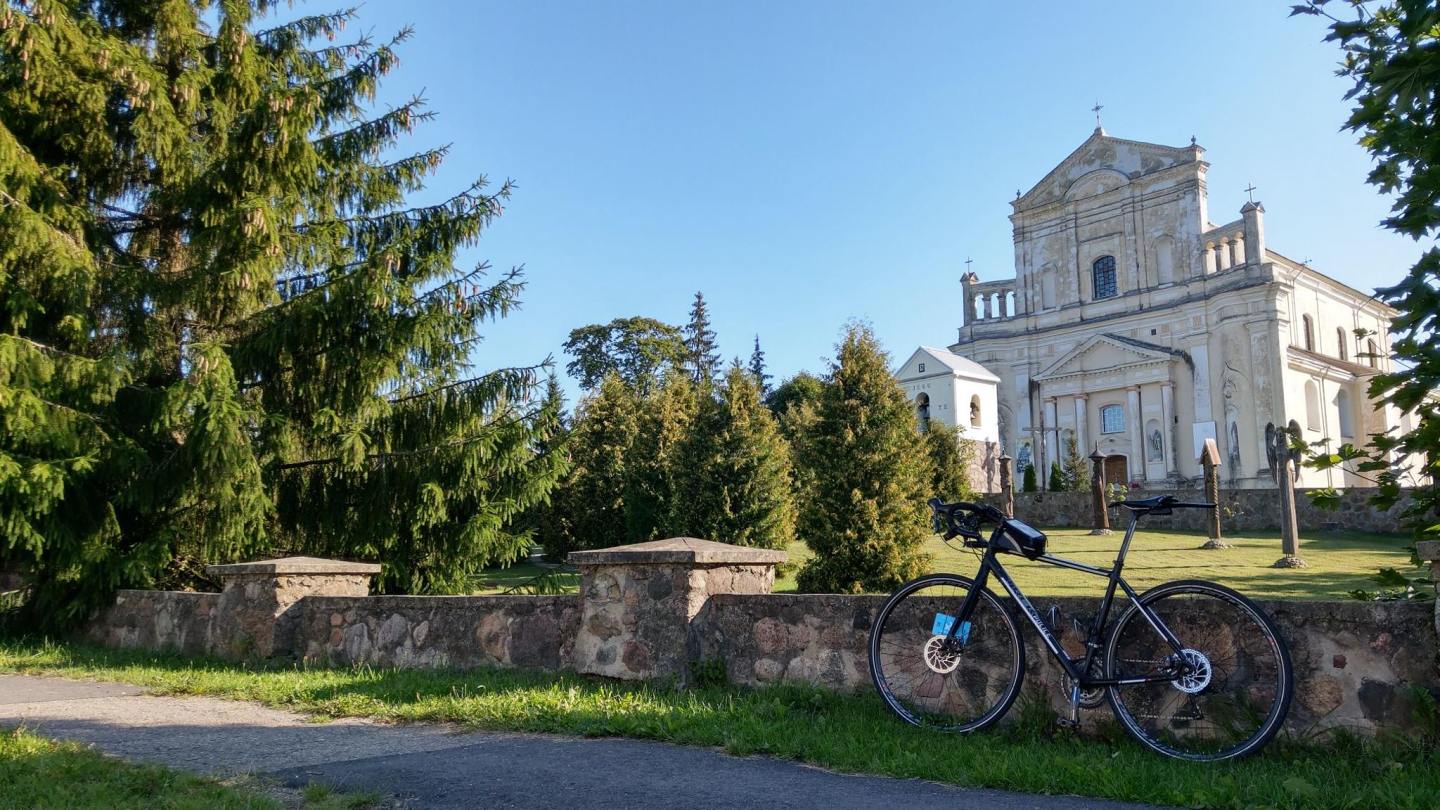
x: 1052, y: 440
x: 1082, y: 435
x: 259, y: 613
x: 1222, y: 255
x: 1167, y: 413
x: 1137, y: 433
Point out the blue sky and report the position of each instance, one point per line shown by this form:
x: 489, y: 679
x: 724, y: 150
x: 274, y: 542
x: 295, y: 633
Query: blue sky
x: 806, y: 163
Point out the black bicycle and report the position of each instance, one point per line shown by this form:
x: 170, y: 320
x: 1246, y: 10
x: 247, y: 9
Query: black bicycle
x: 1191, y: 669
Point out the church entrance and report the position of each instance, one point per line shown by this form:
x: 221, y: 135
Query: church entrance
x: 1117, y: 470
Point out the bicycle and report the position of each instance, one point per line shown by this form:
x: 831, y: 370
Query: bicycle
x: 1192, y: 669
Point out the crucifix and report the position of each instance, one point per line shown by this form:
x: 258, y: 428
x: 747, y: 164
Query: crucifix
x: 1250, y: 189
x: 1096, y: 109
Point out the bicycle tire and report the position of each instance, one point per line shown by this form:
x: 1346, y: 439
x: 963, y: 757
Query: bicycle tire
x: 1227, y: 700
x: 995, y: 630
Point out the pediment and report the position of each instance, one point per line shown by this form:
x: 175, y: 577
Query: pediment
x: 1105, y: 353
x: 938, y: 360
x: 1099, y: 164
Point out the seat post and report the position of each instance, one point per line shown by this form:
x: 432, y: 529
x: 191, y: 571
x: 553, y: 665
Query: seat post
x: 1125, y: 544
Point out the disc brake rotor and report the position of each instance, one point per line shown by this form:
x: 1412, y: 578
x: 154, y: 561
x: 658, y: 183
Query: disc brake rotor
x: 1194, y: 681
x: 936, y: 657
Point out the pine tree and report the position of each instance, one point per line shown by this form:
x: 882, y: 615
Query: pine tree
x: 757, y: 370
x: 733, y: 471
x: 589, y: 505
x: 702, y: 358
x: 1057, y: 478
x: 864, y: 515
x: 224, y: 328
x: 1028, y: 482
x: 949, y: 463
x: 1076, y: 470
x: 667, y: 417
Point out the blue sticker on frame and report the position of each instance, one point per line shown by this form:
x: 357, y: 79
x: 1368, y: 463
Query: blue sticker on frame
x: 943, y: 624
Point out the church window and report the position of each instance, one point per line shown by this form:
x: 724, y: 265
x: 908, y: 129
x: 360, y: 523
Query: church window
x: 1340, y: 341
x: 1347, y: 420
x: 1112, y: 419
x: 975, y: 411
x: 1312, y: 405
x: 922, y: 368
x: 922, y: 410
x: 1308, y: 327
x: 1103, y: 274
x: 1374, y: 353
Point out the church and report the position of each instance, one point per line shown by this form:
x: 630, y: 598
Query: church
x: 1136, y: 326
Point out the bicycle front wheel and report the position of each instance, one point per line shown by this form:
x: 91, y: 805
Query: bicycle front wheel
x: 928, y: 685
x: 1233, y: 692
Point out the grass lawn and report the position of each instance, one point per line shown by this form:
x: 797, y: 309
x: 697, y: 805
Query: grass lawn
x: 844, y: 732
x: 1339, y: 562
x: 39, y: 773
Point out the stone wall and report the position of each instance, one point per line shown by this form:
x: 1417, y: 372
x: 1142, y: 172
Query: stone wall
x: 175, y: 621
x: 1241, y: 510
x: 531, y: 632
x: 1355, y: 662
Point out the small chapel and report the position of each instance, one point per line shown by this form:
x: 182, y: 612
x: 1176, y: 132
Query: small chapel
x: 1135, y: 325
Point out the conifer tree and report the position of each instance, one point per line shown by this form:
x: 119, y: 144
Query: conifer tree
x: 1057, y: 478
x: 864, y: 514
x: 589, y: 505
x: 949, y: 463
x: 1076, y: 470
x: 1028, y: 482
x: 224, y: 328
x: 733, y: 471
x: 666, y: 418
x: 702, y: 358
x: 757, y: 370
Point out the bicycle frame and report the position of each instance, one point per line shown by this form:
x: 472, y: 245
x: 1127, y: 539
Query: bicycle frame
x: 1078, y: 667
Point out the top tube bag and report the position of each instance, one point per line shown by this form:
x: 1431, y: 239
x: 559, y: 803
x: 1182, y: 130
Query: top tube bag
x: 1018, y: 537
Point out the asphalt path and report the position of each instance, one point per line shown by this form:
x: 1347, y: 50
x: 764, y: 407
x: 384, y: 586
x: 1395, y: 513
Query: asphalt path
x: 437, y: 766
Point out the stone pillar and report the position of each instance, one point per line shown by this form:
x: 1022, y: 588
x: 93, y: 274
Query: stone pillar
x: 1100, y: 511
x: 1429, y: 551
x: 1285, y: 482
x: 1222, y: 255
x: 1210, y: 463
x: 637, y: 601
x: 1137, y: 434
x: 1253, y: 215
x: 1082, y: 433
x: 1007, y: 486
x: 1167, y: 417
x: 259, y: 608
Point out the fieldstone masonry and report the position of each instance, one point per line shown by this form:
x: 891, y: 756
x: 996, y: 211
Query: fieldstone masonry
x: 653, y: 609
x: 638, y: 601
x: 259, y: 606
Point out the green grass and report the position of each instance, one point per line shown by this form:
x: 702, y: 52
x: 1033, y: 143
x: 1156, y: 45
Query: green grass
x: 43, y: 774
x: 1339, y: 562
x: 844, y: 732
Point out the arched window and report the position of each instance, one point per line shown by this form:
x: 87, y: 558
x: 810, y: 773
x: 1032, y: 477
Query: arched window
x: 1374, y: 354
x: 1102, y: 272
x: 1308, y: 337
x: 922, y: 410
x: 1312, y: 405
x: 975, y: 410
x: 1347, y: 421
x: 1112, y: 419
x: 1340, y: 341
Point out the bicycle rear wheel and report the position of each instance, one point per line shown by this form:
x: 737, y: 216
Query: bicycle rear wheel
x: 1236, y: 692
x: 924, y: 684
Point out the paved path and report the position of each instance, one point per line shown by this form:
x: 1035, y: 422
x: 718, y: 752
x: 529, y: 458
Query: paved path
x: 435, y: 766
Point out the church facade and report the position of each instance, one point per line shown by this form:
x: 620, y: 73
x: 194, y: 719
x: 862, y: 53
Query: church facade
x: 1135, y: 326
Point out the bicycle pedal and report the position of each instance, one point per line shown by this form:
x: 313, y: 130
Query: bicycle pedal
x: 1065, y: 722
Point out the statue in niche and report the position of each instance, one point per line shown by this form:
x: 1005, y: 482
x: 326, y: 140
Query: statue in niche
x: 1230, y: 388
x: 1024, y: 457
x: 1157, y: 445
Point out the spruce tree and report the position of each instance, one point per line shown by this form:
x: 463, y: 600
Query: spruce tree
x: 589, y: 505
x: 733, y: 471
x: 757, y: 370
x: 1028, y: 482
x: 1057, y: 478
x: 864, y: 514
x: 666, y: 418
x: 702, y: 358
x: 224, y: 329
x: 949, y: 463
x: 1076, y: 470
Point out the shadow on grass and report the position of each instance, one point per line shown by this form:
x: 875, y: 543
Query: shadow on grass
x: 848, y: 732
